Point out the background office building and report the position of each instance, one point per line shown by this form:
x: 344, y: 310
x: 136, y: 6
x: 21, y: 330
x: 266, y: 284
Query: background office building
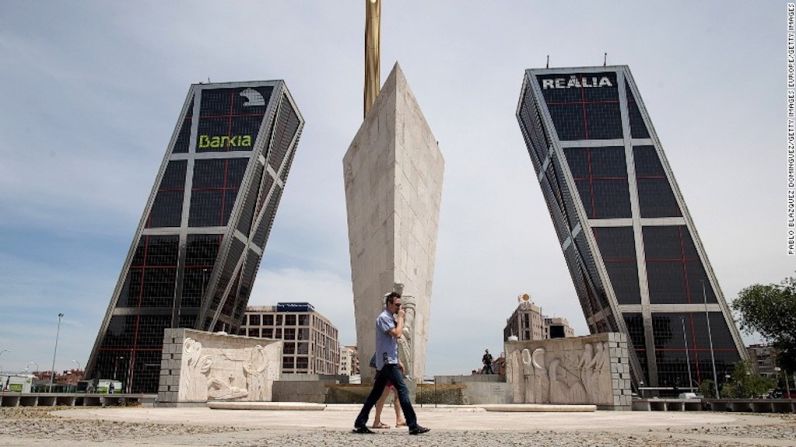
x: 525, y: 323
x: 528, y: 323
x: 557, y: 327
x: 311, y: 345
x: 198, y: 245
x: 349, y: 361
x: 631, y: 247
x: 763, y: 359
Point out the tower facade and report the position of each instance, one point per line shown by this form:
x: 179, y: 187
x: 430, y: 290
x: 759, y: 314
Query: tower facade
x: 198, y: 245
x: 631, y: 247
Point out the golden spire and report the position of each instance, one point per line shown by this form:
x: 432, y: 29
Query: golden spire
x: 372, y: 49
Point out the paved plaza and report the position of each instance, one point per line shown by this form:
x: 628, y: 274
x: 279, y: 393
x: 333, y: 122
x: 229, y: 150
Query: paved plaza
x: 450, y: 426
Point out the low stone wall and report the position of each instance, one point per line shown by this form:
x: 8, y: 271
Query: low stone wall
x: 739, y: 405
x: 475, y: 389
x: 752, y: 405
x: 293, y: 377
x: 445, y: 394
x: 454, y: 392
x: 575, y: 370
x: 11, y: 399
x: 327, y: 391
x: 476, y: 393
x: 347, y: 394
x: 199, y: 366
x: 312, y: 388
x: 470, y: 378
x: 314, y: 391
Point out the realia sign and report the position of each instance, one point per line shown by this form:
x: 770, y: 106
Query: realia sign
x: 577, y: 81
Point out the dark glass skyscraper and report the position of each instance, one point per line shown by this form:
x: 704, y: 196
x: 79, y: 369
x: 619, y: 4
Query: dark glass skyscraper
x: 199, y: 243
x: 631, y: 247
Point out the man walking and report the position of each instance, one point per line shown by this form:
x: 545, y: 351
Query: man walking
x: 387, y: 368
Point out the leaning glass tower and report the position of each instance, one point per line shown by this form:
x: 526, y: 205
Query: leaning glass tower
x: 198, y: 245
x: 631, y: 247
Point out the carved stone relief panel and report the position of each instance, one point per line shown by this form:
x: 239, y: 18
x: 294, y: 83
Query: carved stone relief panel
x: 228, y: 367
x: 575, y: 370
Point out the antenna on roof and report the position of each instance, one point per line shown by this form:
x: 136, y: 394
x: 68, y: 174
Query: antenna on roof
x: 548, y: 62
x: 605, y: 59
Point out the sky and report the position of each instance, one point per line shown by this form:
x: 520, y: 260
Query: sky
x: 90, y: 92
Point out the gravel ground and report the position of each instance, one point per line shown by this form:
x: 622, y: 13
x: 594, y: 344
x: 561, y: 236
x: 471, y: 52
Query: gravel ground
x: 38, y: 423
x: 441, y: 438
x: 782, y: 427
x: 32, y: 425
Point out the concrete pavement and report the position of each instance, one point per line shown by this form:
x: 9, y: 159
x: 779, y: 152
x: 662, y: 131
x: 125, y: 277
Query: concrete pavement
x: 341, y: 417
x: 454, y: 425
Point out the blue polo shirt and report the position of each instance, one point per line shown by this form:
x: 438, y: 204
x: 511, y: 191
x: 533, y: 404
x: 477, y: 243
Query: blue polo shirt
x: 386, y: 346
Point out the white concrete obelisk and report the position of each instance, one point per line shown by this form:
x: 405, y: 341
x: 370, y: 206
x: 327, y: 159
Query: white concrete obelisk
x: 393, y: 185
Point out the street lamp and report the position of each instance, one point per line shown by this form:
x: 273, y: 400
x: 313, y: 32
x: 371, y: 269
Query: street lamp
x: 710, y: 339
x: 204, y: 281
x: 115, y: 364
x: 777, y: 369
x: 687, y: 354
x: 55, y: 351
x: 1, y: 353
x: 79, y: 374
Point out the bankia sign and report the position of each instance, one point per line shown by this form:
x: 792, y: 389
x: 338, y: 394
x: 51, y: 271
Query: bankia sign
x: 229, y: 118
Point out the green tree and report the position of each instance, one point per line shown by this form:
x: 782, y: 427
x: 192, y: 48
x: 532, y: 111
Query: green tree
x: 744, y: 383
x: 707, y: 389
x: 770, y: 310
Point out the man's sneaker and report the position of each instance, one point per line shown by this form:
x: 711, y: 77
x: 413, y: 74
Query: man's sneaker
x: 363, y: 430
x: 418, y: 430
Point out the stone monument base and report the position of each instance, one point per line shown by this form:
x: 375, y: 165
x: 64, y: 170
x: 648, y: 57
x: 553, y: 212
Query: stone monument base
x: 199, y: 366
x: 540, y: 408
x: 328, y: 392
x: 575, y: 370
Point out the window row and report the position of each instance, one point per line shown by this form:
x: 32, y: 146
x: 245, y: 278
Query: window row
x: 675, y: 273
x: 213, y: 193
x: 255, y: 319
x: 586, y: 106
x: 600, y: 174
x: 276, y: 333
